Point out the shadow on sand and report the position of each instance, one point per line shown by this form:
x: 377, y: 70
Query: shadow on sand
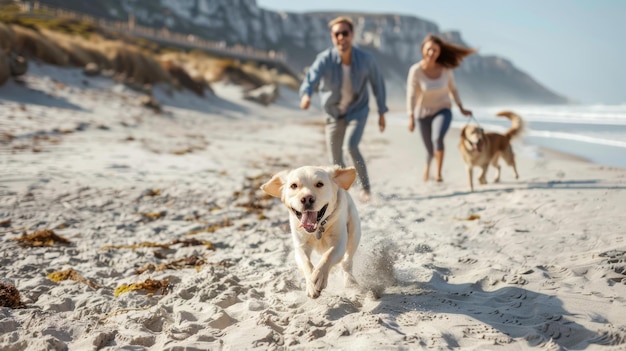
x: 210, y: 103
x: 22, y: 94
x: 513, y: 311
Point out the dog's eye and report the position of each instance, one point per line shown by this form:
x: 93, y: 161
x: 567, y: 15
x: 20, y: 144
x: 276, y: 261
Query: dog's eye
x: 294, y: 186
x: 319, y: 184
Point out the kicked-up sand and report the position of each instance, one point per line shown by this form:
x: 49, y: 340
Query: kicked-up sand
x: 167, y: 242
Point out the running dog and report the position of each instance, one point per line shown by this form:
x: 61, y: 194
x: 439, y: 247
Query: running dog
x: 322, y: 217
x: 479, y: 148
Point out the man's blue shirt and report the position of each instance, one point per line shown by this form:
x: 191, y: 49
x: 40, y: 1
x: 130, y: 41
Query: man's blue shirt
x: 326, y: 71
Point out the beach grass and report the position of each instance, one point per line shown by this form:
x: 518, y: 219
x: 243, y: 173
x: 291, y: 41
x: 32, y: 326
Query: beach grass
x: 70, y: 42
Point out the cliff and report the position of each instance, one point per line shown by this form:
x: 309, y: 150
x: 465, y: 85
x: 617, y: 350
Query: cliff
x: 393, y: 39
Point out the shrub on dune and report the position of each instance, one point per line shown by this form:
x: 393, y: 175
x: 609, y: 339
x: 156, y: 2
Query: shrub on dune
x: 182, y: 79
x: 248, y: 78
x: 249, y: 74
x: 97, y: 51
x: 31, y: 43
x: 288, y: 81
x: 119, y: 59
x: 135, y: 65
x: 208, y: 69
x: 77, y: 54
x: 214, y: 70
x: 268, y: 75
x: 5, y: 71
x: 69, y: 42
x: 151, y: 71
x: 136, y: 72
x: 7, y: 37
x: 211, y: 69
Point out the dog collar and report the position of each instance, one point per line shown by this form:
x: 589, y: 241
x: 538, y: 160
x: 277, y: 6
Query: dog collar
x: 321, y: 229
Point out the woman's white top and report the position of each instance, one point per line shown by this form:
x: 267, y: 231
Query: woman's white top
x: 424, y: 95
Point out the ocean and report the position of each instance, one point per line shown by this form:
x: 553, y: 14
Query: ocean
x: 594, y: 132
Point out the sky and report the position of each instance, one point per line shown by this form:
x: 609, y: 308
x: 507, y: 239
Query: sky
x: 576, y: 48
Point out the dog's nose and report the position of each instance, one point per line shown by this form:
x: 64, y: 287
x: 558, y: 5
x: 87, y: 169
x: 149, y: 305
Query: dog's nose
x: 307, y: 200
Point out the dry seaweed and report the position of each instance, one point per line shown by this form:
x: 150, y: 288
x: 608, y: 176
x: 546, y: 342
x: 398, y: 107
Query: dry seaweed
x: 152, y: 192
x: 194, y: 242
x: 5, y: 223
x: 136, y: 246
x: 187, y: 242
x: 212, y: 228
x: 45, y: 237
x: 153, y: 215
x: 10, y: 296
x: 70, y: 274
x: 257, y: 201
x: 472, y: 217
x: 160, y: 255
x: 187, y: 262
x: 151, y: 267
x: 214, y: 208
x: 149, y: 285
x: 183, y: 151
x: 226, y: 263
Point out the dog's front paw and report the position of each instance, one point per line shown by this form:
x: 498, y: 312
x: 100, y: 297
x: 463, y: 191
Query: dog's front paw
x: 318, y: 281
x: 482, y: 181
x: 311, y: 290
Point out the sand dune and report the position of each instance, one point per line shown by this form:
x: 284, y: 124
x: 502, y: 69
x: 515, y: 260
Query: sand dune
x: 170, y: 202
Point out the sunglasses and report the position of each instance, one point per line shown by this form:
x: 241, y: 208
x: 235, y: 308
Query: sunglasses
x: 345, y: 33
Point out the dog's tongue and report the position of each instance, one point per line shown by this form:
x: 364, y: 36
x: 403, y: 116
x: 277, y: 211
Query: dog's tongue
x: 309, y: 221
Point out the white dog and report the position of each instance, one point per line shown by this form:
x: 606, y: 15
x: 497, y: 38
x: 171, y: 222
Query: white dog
x: 322, y: 217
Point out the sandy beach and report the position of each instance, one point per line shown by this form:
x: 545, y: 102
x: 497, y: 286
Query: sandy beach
x: 171, y: 245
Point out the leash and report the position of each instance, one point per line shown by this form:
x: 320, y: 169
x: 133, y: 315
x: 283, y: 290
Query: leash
x: 471, y: 117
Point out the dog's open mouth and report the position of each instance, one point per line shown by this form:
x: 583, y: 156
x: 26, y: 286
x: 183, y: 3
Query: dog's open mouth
x: 310, y: 219
x: 477, y: 146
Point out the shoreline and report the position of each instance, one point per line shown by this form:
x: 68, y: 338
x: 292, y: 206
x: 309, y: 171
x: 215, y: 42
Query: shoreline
x: 547, y: 151
x: 582, y: 153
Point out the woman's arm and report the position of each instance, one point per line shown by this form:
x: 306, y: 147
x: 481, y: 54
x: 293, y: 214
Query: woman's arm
x: 413, y: 89
x: 455, y: 95
x: 413, y: 94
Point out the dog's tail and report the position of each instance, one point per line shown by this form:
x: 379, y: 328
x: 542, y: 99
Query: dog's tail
x: 517, y: 124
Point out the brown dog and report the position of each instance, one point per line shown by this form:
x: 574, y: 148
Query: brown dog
x: 479, y: 148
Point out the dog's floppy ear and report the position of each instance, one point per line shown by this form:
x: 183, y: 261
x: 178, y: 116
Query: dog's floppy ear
x: 344, y: 177
x: 274, y: 186
x: 463, y: 132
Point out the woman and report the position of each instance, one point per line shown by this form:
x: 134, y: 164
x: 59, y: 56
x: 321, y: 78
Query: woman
x: 430, y: 86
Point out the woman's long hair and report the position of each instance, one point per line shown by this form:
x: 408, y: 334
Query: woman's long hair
x: 450, y: 55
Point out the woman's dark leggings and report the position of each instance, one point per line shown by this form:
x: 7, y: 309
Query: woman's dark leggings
x: 433, y: 128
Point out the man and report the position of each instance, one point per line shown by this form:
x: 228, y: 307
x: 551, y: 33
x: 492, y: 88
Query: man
x: 342, y: 73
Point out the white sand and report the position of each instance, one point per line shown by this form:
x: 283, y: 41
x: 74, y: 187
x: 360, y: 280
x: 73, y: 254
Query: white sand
x: 543, y: 266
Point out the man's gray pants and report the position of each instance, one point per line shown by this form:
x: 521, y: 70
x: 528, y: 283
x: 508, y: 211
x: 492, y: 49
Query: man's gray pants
x: 339, y: 130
